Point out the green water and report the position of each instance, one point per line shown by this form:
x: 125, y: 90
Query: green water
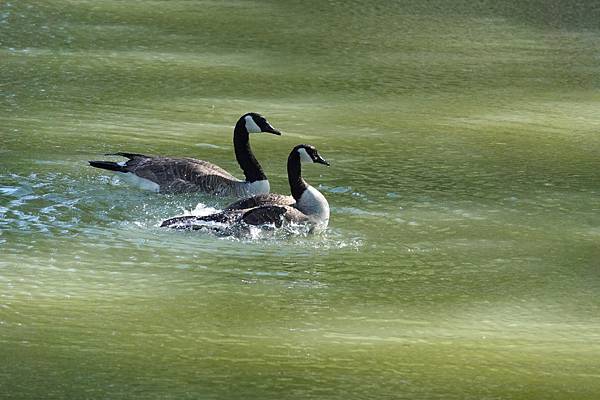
x: 462, y: 257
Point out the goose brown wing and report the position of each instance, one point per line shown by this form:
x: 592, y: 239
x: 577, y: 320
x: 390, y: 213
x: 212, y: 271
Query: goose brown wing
x: 183, y: 174
x: 273, y: 214
x: 192, y: 221
x: 201, y: 165
x: 262, y: 199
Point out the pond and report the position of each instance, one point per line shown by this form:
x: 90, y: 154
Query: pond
x: 462, y: 255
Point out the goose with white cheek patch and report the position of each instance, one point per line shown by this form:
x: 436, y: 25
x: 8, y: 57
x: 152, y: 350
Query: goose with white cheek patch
x: 185, y: 175
x: 306, y: 206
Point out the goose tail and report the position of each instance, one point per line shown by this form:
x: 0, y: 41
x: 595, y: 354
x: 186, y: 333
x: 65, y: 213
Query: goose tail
x: 109, y: 165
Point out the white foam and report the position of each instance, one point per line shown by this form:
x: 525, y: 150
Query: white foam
x: 201, y: 210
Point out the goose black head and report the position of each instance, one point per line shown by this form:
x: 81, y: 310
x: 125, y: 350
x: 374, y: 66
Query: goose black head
x: 310, y: 154
x: 256, y: 123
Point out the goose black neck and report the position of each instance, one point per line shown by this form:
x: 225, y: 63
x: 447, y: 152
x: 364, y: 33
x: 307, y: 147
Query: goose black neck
x: 243, y: 153
x: 294, y: 169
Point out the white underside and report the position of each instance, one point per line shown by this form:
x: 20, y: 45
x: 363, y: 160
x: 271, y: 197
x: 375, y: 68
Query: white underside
x: 142, y: 183
x: 248, y: 189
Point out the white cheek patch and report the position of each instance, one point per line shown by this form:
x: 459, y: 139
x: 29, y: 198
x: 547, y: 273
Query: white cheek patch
x: 304, y: 157
x: 251, y: 126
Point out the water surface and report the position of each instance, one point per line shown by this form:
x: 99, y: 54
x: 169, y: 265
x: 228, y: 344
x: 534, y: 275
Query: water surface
x: 461, y: 261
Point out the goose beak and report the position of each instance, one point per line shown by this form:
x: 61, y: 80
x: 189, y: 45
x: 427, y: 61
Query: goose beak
x: 272, y: 130
x: 321, y: 160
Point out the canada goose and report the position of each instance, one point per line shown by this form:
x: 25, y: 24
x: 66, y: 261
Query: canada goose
x: 306, y: 205
x: 182, y: 175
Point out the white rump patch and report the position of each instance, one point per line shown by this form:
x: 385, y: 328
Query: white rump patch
x: 251, y: 126
x: 122, y: 163
x: 304, y: 157
x: 258, y: 187
x: 142, y: 183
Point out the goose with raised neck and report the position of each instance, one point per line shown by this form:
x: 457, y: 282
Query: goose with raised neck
x: 306, y: 205
x: 184, y: 175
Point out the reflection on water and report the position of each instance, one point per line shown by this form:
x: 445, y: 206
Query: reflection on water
x: 461, y: 257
